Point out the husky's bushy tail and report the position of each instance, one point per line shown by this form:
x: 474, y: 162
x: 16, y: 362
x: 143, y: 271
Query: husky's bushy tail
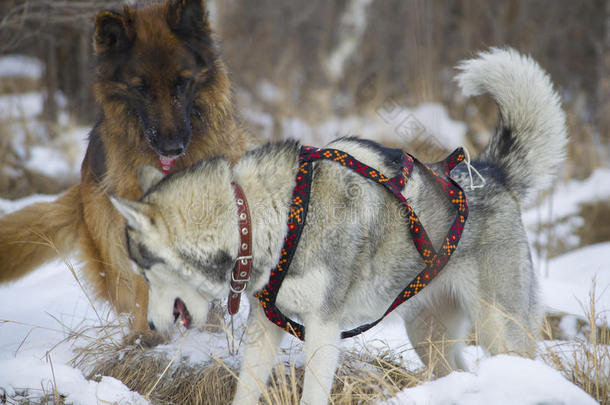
x: 529, y: 143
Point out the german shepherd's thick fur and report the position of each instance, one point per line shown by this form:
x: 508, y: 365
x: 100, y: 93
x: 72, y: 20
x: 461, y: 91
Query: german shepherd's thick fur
x: 165, y: 101
x: 355, y: 254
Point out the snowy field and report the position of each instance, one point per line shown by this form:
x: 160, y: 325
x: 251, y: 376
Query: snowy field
x: 46, y: 318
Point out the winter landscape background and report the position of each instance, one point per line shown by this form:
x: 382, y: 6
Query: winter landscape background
x: 314, y: 70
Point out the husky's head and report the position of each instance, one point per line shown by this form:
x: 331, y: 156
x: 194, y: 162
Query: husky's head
x: 182, y: 235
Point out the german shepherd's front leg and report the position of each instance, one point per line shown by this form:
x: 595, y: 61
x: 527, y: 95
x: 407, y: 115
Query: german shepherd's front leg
x: 322, y: 347
x: 107, y: 265
x: 262, y: 341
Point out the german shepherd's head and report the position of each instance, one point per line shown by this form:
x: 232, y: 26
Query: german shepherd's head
x: 159, y: 79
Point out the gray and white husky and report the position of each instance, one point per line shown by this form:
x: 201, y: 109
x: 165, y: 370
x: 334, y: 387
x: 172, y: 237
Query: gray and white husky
x: 355, y: 254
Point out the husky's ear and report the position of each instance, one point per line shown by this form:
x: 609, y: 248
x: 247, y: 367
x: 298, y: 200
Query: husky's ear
x: 148, y: 176
x: 113, y: 31
x: 188, y: 17
x: 136, y: 213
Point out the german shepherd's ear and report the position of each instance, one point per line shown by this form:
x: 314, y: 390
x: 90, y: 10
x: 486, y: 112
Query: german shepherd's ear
x: 113, y: 31
x: 148, y: 176
x: 188, y: 17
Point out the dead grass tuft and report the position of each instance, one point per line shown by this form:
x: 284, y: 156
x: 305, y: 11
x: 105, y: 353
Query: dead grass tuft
x: 17, y: 180
x: 596, y: 222
x: 585, y: 359
x: 360, y: 379
x: 140, y: 370
x: 18, y: 84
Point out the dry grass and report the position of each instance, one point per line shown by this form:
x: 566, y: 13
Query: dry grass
x: 360, y: 379
x: 16, y: 179
x: 18, y: 84
x: 184, y: 383
x: 596, y: 222
x: 21, y: 132
x: 31, y: 397
x: 585, y: 359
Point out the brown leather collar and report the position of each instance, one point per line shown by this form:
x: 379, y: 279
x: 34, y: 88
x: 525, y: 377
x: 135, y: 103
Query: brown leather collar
x: 243, y: 264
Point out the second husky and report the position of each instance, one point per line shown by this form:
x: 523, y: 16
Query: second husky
x: 355, y: 254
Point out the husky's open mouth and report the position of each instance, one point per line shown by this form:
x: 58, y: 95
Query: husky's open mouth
x: 167, y: 163
x: 181, y: 311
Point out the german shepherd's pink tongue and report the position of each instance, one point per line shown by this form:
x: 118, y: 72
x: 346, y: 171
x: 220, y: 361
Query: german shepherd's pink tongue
x: 166, y: 163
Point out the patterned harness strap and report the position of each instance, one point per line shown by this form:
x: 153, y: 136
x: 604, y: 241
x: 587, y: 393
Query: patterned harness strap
x: 434, y: 261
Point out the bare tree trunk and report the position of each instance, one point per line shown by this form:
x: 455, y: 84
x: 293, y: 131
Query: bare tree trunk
x: 603, y: 89
x: 423, y: 61
x: 85, y: 107
x: 51, y: 82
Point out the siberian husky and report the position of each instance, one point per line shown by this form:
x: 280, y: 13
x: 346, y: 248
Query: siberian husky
x: 355, y: 253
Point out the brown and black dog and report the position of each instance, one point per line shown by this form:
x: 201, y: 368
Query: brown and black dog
x: 165, y: 101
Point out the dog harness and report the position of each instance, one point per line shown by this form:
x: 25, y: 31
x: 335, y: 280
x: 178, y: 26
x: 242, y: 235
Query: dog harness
x: 434, y: 261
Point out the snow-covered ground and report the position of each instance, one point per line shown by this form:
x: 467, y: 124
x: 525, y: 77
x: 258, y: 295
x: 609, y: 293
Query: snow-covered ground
x: 22, y: 66
x: 497, y: 380
x: 58, y: 156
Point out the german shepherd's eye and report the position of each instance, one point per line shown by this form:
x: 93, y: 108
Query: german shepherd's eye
x: 139, y: 85
x: 181, y: 84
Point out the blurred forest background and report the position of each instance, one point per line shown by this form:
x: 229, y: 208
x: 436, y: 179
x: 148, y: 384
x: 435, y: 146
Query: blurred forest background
x: 314, y: 60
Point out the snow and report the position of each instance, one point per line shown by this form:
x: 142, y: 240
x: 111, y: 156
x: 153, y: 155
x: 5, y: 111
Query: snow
x: 73, y: 384
x: 59, y: 156
x: 567, y: 199
x: 498, y: 380
x: 268, y: 92
x: 435, y: 118
x: 391, y: 122
x: 587, y: 264
x: 25, y: 105
x: 8, y: 206
x: 590, y: 265
x: 37, y: 315
x: 20, y: 66
x: 49, y: 161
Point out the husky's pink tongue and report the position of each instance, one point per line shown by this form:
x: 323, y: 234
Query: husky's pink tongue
x: 180, y: 311
x: 166, y: 163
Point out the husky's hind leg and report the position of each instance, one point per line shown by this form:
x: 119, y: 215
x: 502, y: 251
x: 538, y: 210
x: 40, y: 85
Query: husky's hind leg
x: 506, y: 330
x: 507, y: 312
x: 437, y: 331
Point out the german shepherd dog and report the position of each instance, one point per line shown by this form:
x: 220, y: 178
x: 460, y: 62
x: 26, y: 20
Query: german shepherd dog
x: 348, y: 268
x: 165, y: 101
